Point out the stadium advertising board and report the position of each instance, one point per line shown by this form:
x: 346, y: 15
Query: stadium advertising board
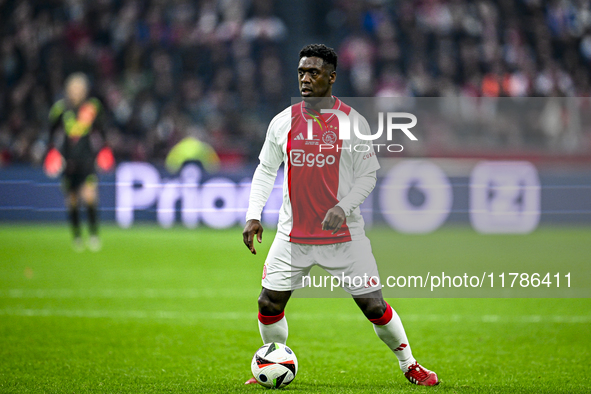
x: 504, y: 197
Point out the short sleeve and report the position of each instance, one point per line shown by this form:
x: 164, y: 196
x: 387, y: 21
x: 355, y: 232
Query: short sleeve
x: 97, y: 104
x: 56, y: 111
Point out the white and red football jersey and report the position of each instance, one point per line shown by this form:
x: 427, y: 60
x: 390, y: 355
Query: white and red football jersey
x: 317, y: 176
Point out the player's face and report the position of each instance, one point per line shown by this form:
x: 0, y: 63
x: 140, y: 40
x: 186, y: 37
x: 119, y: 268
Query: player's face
x: 76, y: 91
x: 315, y: 78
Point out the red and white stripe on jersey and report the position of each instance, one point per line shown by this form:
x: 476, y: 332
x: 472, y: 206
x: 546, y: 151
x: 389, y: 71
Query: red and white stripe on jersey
x: 315, y: 180
x: 313, y: 174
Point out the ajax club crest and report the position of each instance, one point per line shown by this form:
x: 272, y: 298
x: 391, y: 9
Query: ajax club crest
x: 329, y: 137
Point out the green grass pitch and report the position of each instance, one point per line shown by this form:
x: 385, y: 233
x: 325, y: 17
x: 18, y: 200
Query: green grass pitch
x: 167, y: 311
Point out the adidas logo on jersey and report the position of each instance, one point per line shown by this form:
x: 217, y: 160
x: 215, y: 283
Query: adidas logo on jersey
x: 299, y: 137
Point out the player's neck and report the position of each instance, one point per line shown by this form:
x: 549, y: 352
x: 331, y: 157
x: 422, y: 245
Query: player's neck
x: 319, y: 103
x: 76, y: 104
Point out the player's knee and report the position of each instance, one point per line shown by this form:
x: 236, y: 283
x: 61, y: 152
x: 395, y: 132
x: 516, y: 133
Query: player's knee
x: 267, y: 307
x: 374, y: 308
x: 89, y: 196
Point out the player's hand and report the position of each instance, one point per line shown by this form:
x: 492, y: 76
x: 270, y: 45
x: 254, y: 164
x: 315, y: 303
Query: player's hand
x: 251, y: 228
x: 334, y: 219
x: 105, y: 160
x: 54, y: 163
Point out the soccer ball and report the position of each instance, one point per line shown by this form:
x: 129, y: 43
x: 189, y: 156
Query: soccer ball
x: 274, y: 365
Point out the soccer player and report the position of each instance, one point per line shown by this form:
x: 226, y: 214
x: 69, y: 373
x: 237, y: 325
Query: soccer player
x: 320, y: 221
x: 77, y: 115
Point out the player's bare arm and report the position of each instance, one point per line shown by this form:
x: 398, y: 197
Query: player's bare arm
x: 253, y: 227
x: 334, y: 219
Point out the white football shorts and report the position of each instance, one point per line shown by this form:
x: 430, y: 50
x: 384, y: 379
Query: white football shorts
x: 288, y: 264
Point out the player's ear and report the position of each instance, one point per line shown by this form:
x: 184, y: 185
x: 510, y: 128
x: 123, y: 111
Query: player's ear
x: 332, y: 77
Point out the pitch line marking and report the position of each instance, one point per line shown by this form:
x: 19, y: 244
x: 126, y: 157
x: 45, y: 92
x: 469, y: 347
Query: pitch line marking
x: 120, y: 293
x: 204, y: 316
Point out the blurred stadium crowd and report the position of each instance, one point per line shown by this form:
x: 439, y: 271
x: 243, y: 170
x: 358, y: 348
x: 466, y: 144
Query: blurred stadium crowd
x: 219, y: 70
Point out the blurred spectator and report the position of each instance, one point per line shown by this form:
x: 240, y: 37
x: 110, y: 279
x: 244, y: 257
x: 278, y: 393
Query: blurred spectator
x: 163, y: 67
x: 191, y: 149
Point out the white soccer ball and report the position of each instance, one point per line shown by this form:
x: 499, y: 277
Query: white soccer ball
x: 274, y: 365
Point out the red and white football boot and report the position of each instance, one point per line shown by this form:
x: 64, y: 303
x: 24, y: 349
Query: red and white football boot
x: 417, y: 374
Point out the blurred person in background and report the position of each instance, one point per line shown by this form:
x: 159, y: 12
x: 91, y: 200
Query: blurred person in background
x: 213, y: 52
x: 192, y: 149
x: 77, y: 116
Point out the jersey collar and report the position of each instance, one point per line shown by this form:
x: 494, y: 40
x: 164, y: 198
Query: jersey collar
x: 337, y: 105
